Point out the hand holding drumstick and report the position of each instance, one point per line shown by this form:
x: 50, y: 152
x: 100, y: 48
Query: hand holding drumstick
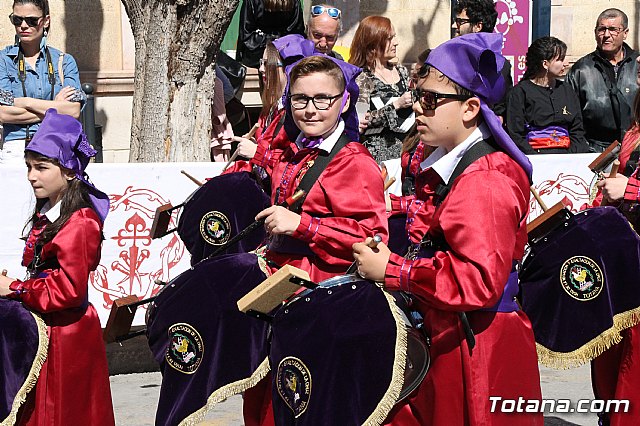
x: 614, y: 185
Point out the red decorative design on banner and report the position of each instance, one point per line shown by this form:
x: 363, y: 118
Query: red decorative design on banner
x: 128, y: 236
x: 573, y: 187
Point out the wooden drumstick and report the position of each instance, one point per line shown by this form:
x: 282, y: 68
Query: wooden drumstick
x: 384, y: 172
x: 193, y: 179
x: 4, y: 272
x: 614, y: 168
x: 247, y: 135
x: 377, y: 239
x: 390, y: 182
x: 538, y: 199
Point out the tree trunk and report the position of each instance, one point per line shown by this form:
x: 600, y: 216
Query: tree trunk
x: 176, y: 42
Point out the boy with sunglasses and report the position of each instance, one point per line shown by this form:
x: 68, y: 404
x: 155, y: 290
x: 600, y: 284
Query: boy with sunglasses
x: 467, y: 227
x: 323, y: 28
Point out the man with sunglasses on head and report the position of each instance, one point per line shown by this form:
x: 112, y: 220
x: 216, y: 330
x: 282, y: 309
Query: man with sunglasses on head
x: 605, y: 81
x: 474, y: 16
x: 323, y: 28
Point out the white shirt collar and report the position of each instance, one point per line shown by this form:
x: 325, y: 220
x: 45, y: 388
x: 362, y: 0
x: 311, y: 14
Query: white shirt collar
x: 444, y: 163
x: 329, y: 142
x: 51, y: 213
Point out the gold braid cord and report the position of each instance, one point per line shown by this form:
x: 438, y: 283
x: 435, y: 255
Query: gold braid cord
x: 32, y: 378
x: 397, y: 376
x: 591, y: 349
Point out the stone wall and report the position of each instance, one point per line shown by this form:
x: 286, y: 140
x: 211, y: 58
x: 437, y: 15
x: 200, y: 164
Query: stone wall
x: 98, y: 35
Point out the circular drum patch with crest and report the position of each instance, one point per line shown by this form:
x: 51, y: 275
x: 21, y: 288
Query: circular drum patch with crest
x: 581, y: 278
x: 185, y: 348
x: 215, y: 228
x: 293, y: 380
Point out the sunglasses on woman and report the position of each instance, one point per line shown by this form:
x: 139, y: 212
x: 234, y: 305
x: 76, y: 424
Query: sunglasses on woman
x: 31, y: 21
x: 429, y: 100
x: 333, y: 12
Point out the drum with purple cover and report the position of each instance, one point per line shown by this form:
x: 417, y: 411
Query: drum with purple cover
x: 579, y: 286
x: 343, y: 353
x: 206, y: 348
x: 23, y: 345
x: 219, y: 210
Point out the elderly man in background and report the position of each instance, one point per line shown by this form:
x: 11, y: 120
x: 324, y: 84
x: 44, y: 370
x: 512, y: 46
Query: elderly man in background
x: 605, y: 81
x: 323, y: 28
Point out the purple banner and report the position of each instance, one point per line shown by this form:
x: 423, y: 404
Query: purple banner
x: 514, y: 22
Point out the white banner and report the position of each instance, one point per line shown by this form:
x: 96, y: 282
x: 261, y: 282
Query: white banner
x: 132, y: 261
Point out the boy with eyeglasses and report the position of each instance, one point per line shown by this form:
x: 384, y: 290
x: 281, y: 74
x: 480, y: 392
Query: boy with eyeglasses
x: 323, y: 28
x: 467, y: 226
x: 605, y: 81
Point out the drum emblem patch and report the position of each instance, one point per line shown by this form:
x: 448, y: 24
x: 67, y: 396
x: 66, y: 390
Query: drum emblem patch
x: 185, y: 348
x: 294, y: 384
x: 215, y: 228
x: 581, y: 278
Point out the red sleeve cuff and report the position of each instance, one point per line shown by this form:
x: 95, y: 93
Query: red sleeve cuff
x: 397, y: 273
x: 307, y: 229
x: 400, y: 205
x: 18, y: 289
x: 632, y: 192
x: 262, y: 156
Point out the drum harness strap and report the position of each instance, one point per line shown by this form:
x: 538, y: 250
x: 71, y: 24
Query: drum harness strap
x: 306, y: 183
x: 474, y: 153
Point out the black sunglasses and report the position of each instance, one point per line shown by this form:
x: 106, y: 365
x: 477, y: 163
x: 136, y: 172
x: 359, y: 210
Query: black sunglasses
x: 461, y: 21
x: 429, y: 100
x: 31, y: 21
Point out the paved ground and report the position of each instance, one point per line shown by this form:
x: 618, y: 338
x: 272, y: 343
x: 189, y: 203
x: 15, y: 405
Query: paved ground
x: 135, y: 398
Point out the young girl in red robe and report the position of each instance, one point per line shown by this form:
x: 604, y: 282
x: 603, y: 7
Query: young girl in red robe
x: 62, y: 248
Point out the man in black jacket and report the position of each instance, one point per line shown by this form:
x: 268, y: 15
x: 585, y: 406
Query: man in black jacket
x: 605, y: 81
x: 474, y: 16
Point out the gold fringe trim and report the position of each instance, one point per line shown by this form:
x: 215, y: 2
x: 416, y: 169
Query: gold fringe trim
x: 226, y: 392
x: 591, y: 349
x: 390, y: 397
x: 34, y: 372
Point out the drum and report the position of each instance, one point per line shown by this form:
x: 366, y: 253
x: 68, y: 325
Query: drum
x: 219, y: 210
x: 580, y: 288
x: 24, y: 345
x: 339, y: 354
x: 206, y: 348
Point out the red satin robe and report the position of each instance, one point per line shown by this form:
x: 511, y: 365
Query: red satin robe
x: 483, y: 220
x: 73, y: 386
x: 345, y: 206
x: 615, y: 374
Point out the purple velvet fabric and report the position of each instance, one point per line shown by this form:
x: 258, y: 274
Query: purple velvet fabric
x: 398, y: 240
x: 474, y: 61
x: 332, y: 351
x: 61, y: 137
x: 235, y: 196
x: 232, y: 344
x: 18, y: 349
x: 563, y: 323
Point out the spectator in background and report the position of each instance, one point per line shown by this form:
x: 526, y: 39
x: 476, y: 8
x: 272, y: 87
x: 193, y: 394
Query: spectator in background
x: 323, y: 28
x: 543, y: 112
x: 50, y: 79
x: 474, y: 16
x: 605, y: 81
x: 262, y: 21
x: 383, y: 85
